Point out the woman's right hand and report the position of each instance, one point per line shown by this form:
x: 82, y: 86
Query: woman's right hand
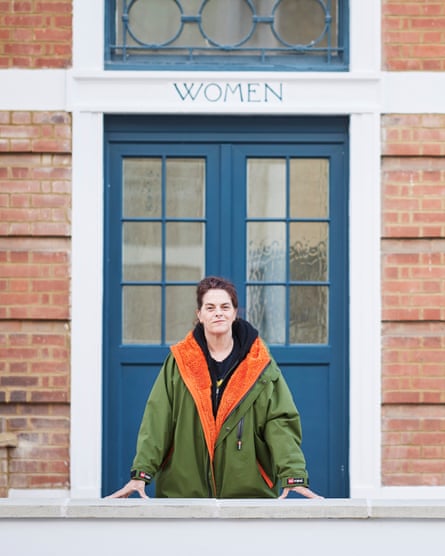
x: 135, y: 485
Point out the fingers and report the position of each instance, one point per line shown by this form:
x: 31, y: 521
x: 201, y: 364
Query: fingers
x: 122, y: 493
x: 129, y: 488
x: 304, y: 491
x: 141, y: 492
x: 284, y: 493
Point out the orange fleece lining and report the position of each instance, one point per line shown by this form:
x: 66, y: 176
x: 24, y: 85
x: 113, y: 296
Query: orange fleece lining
x: 193, y: 368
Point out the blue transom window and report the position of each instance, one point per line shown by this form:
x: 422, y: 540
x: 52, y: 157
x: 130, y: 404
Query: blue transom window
x: 280, y: 35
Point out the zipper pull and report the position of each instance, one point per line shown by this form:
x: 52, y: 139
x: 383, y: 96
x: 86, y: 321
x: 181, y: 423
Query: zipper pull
x: 239, y: 442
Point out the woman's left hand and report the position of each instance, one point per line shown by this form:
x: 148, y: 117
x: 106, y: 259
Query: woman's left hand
x: 304, y: 491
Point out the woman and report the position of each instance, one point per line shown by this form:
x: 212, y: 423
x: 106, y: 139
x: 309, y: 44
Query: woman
x: 220, y: 421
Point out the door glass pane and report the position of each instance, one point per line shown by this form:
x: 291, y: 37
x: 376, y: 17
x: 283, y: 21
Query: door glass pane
x: 163, y: 243
x: 142, y: 187
x: 180, y: 309
x: 266, y: 188
x: 141, y: 314
x: 185, y: 187
x: 265, y: 311
x: 141, y: 251
x: 185, y: 251
x: 308, y: 251
x: 308, y: 306
x: 309, y: 188
x: 266, y: 254
x: 281, y: 254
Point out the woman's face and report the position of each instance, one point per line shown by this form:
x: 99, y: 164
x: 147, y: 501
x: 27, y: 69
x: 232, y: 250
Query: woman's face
x: 217, y: 312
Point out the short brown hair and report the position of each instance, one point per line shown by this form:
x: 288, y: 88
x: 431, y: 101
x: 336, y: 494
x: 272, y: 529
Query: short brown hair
x: 216, y: 283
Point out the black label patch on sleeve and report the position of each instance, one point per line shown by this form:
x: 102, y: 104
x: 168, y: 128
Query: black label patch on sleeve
x: 141, y: 475
x: 295, y: 481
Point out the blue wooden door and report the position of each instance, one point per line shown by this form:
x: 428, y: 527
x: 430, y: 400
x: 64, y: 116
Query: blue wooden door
x: 262, y: 201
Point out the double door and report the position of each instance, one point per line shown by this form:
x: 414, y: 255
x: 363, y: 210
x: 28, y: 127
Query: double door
x: 262, y: 201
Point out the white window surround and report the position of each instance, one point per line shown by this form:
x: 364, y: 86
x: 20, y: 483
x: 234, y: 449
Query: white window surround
x: 364, y: 94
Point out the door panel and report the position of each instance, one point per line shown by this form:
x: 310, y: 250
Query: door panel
x: 314, y: 417
x: 262, y: 201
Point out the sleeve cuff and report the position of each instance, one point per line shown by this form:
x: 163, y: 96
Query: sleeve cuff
x: 141, y: 476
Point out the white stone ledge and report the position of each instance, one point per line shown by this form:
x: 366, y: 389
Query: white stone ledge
x: 152, y: 509
x: 198, y: 527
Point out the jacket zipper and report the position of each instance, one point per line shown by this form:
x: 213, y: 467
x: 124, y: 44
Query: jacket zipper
x: 239, y: 435
x: 241, y: 423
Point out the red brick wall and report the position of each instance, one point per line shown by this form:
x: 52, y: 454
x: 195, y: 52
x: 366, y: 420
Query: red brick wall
x: 413, y: 35
x: 35, y: 33
x: 413, y: 299
x: 413, y: 257
x: 35, y: 200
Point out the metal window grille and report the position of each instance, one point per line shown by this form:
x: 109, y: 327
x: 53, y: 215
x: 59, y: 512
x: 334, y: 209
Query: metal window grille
x: 227, y: 34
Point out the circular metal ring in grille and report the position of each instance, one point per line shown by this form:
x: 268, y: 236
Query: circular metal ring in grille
x: 320, y: 4
x: 242, y: 4
x: 130, y: 20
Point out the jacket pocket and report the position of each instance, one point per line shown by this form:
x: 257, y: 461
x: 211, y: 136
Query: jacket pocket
x: 265, y: 476
x: 263, y: 461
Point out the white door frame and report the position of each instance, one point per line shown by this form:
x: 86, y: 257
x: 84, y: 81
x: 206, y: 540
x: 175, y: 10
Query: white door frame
x: 362, y: 93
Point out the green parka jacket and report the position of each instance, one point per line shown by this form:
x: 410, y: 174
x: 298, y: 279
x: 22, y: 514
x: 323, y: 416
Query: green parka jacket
x: 250, y: 449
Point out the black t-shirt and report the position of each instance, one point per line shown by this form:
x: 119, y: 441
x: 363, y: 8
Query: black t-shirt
x: 220, y: 369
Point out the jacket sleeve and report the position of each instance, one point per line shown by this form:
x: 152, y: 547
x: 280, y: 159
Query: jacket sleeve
x: 283, y: 435
x: 156, y: 429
